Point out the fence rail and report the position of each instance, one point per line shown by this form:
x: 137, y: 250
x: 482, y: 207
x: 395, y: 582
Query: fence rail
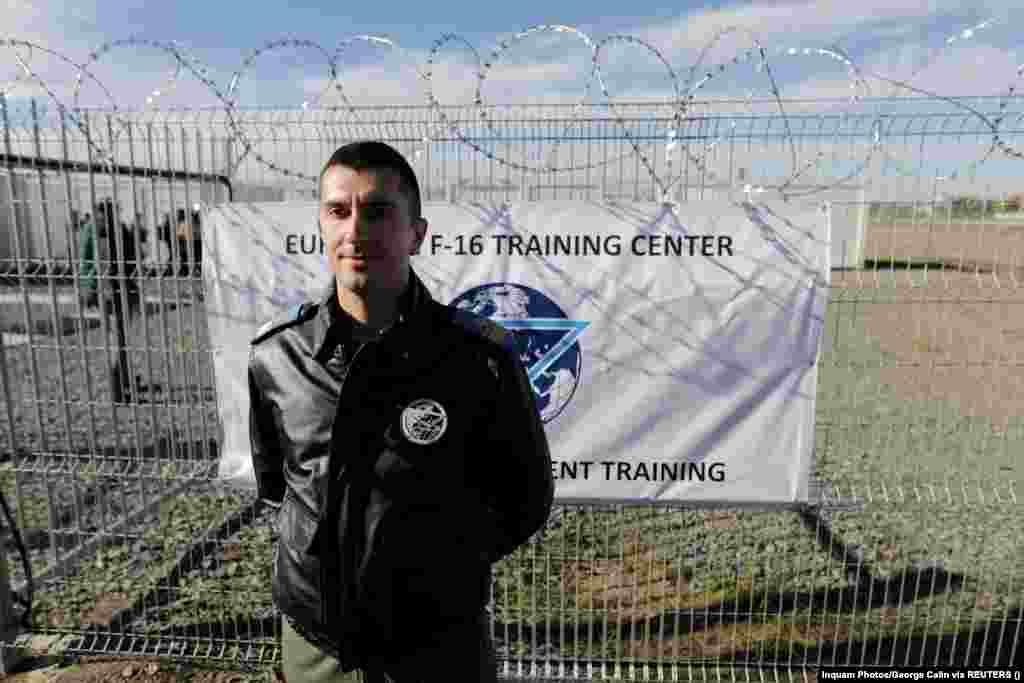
x: 109, y: 428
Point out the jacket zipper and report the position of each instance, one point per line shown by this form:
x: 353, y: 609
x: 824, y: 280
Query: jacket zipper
x: 341, y: 391
x: 329, y: 502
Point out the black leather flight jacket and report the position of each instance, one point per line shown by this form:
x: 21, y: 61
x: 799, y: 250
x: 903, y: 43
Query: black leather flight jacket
x: 402, y: 472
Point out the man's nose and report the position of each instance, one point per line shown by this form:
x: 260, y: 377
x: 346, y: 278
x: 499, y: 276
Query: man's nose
x: 356, y: 227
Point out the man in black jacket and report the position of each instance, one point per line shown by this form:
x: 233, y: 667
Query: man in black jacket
x: 401, y: 440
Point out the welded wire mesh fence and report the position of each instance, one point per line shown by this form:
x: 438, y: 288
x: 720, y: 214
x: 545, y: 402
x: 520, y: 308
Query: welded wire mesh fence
x: 109, y: 426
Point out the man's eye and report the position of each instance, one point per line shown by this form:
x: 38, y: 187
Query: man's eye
x: 372, y: 212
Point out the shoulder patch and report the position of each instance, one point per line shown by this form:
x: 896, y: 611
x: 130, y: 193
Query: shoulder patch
x: 296, y: 314
x: 484, y: 328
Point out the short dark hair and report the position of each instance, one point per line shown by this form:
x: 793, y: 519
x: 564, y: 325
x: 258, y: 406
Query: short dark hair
x: 365, y: 155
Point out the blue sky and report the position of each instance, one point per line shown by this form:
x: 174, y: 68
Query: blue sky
x: 900, y: 39
x: 946, y: 47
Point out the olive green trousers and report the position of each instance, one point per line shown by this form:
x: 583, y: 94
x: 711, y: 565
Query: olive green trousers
x: 465, y: 655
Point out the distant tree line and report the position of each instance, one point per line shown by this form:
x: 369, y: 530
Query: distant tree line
x: 959, y: 206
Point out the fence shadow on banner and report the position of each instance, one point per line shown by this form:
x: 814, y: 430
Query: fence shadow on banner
x: 717, y: 339
x: 869, y: 592
x: 253, y: 237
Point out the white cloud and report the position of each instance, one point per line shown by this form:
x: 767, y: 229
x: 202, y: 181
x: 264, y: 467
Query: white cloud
x: 32, y: 21
x: 964, y: 70
x: 455, y: 82
x: 632, y: 72
x: 547, y: 68
x: 797, y: 23
x: 65, y: 35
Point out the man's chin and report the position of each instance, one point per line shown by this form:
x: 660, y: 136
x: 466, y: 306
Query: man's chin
x: 368, y: 287
x: 354, y: 282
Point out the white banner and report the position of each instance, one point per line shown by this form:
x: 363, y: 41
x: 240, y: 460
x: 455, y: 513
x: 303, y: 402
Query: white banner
x: 673, y: 352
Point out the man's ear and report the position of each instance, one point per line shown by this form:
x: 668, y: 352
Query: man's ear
x: 419, y: 227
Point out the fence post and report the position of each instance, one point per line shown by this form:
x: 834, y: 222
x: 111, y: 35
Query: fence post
x: 862, y: 223
x: 9, y: 627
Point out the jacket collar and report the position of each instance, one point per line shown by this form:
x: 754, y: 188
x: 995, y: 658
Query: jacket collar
x: 331, y: 322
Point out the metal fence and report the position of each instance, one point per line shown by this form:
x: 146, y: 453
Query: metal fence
x: 109, y: 427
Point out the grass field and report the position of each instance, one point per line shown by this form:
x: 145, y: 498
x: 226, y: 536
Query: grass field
x: 920, y: 411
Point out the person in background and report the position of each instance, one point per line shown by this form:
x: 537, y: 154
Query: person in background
x: 87, y: 257
x: 74, y: 226
x: 197, y: 243
x: 140, y: 228
x: 181, y: 231
x: 122, y: 250
x: 190, y: 244
x: 120, y: 256
x: 163, y: 251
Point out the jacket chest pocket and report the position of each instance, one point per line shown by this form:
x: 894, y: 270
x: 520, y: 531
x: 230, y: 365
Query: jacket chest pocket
x: 425, y: 442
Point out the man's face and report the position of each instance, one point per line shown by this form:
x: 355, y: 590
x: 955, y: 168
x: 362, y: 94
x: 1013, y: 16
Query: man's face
x: 367, y: 230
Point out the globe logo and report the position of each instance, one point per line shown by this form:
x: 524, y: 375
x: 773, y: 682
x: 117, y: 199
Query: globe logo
x: 546, y: 338
x: 424, y: 421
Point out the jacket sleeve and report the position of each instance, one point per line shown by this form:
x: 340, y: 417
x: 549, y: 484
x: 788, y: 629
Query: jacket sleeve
x: 515, y: 459
x: 266, y: 456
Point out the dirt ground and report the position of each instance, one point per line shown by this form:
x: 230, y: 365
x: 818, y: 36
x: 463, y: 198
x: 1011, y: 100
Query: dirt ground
x: 104, y: 670
x: 100, y: 670
x: 959, y: 243
x: 937, y: 325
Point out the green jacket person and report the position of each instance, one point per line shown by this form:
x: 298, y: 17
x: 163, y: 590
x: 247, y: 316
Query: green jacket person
x: 87, y: 253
